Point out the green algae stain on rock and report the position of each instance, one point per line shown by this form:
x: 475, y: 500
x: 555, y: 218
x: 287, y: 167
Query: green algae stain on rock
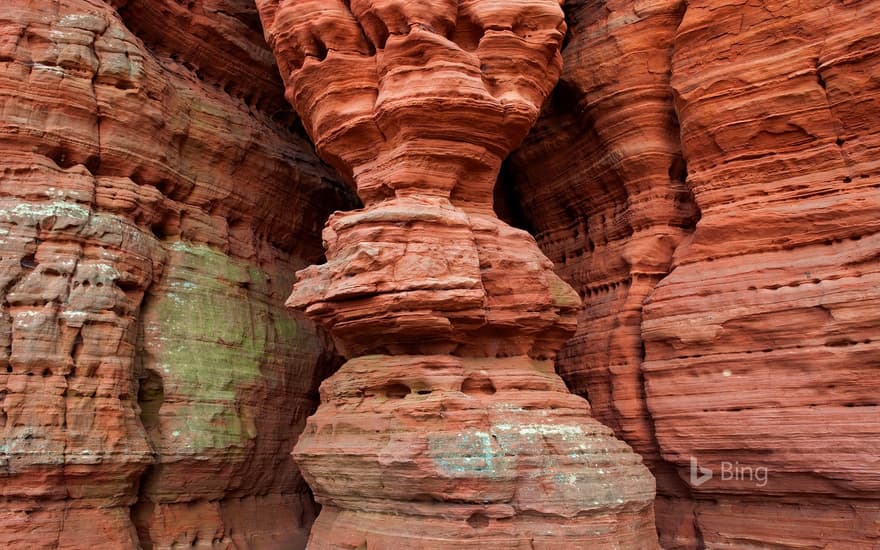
x: 213, y: 324
x: 209, y: 334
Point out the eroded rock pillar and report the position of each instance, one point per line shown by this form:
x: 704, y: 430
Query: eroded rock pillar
x: 447, y: 427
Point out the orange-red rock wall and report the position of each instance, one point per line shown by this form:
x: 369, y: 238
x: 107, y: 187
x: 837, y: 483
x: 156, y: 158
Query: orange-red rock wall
x: 154, y: 206
x: 707, y: 176
x: 447, y: 427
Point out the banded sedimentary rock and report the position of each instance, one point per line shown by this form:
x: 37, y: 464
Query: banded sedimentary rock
x: 762, y: 345
x: 747, y: 341
x: 600, y: 181
x: 615, y: 205
x: 448, y: 426
x: 151, y: 383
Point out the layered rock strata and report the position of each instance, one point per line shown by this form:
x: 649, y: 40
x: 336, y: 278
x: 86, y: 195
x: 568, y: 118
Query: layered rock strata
x: 448, y: 426
x: 768, y: 324
x: 746, y: 340
x: 600, y: 181
x: 151, y: 383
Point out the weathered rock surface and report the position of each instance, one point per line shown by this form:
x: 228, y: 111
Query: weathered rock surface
x: 151, y: 383
x: 749, y: 340
x: 705, y: 176
x: 447, y: 427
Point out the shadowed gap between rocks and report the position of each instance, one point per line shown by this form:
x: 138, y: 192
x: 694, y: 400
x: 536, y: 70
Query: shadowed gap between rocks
x: 577, y: 204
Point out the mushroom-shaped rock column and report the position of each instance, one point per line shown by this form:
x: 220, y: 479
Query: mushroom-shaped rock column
x: 447, y: 427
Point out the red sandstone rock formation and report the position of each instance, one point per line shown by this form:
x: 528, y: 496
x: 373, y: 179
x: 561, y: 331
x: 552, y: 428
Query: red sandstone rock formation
x: 151, y: 383
x: 600, y: 181
x: 760, y: 345
x: 447, y: 427
x: 151, y: 386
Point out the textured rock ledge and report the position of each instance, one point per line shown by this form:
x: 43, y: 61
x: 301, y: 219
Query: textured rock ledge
x: 142, y: 207
x: 447, y: 427
x: 759, y: 346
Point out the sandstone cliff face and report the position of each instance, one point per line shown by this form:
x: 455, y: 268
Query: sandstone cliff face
x: 447, y: 427
x: 713, y: 195
x: 151, y: 214
x: 705, y: 176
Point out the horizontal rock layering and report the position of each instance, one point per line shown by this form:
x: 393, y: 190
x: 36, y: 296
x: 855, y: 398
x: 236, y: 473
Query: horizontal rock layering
x: 749, y: 338
x: 447, y: 427
x: 151, y: 382
x: 704, y: 175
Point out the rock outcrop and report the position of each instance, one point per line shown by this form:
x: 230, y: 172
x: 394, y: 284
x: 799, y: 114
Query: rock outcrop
x: 151, y: 212
x: 447, y: 427
x: 706, y: 176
